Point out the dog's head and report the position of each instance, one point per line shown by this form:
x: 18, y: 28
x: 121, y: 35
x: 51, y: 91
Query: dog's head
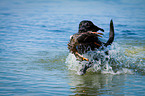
x: 86, y: 26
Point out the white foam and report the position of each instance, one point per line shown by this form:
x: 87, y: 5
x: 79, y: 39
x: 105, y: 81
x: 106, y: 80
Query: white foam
x: 117, y: 63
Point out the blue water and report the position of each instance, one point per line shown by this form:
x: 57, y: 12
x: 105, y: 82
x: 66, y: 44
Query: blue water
x: 33, y: 47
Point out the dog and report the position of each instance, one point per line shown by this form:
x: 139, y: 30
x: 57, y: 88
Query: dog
x: 87, y: 39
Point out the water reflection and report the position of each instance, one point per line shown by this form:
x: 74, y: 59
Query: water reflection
x: 96, y: 84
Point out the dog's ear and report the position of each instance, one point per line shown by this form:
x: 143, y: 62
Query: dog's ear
x: 111, y: 34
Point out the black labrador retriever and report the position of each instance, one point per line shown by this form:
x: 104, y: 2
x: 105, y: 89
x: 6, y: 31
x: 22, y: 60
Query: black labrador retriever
x: 87, y: 39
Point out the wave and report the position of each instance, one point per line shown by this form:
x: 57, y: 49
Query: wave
x: 119, y: 61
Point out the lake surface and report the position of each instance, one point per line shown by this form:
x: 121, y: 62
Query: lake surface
x: 35, y: 61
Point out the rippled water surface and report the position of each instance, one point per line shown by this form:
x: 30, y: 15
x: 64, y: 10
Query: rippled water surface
x: 34, y: 59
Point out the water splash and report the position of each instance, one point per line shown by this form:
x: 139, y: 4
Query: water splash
x: 117, y: 61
